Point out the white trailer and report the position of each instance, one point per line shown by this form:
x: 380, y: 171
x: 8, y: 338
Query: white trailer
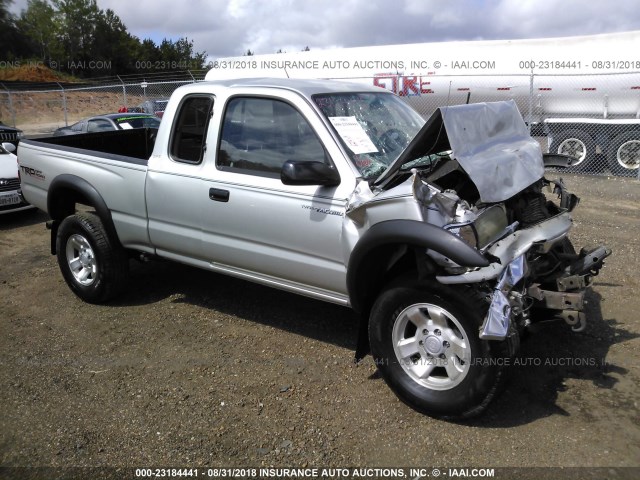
x: 581, y: 93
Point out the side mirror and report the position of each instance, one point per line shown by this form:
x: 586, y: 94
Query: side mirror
x: 557, y: 160
x: 9, y: 147
x: 309, y: 173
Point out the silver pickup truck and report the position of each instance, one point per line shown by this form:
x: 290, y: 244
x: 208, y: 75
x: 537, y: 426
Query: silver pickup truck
x: 438, y: 233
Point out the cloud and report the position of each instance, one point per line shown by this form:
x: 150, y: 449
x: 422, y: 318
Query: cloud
x: 228, y: 28
x: 535, y: 18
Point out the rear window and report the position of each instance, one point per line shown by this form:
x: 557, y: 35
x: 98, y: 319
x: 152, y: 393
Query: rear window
x: 188, y: 138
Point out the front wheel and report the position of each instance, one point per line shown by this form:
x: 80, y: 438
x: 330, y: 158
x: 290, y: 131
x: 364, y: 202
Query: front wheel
x: 424, y: 340
x: 93, y: 264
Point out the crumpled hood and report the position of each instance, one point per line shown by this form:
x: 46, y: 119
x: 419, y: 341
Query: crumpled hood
x: 489, y: 140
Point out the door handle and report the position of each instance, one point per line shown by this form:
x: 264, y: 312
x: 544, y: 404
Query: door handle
x: 218, y: 195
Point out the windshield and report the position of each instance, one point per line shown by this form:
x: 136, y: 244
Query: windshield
x: 374, y: 127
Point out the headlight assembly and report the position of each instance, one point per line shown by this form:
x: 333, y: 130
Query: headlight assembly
x: 490, y: 225
x: 467, y: 233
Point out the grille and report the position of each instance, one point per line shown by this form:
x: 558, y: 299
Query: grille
x: 9, y: 184
x: 8, y: 136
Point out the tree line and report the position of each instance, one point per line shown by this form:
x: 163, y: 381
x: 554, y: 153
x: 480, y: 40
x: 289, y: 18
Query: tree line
x: 79, y: 38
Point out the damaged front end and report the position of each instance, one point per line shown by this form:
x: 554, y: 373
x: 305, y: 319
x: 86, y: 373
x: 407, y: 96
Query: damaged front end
x: 465, y: 243
x: 517, y: 293
x: 484, y: 183
x: 533, y: 266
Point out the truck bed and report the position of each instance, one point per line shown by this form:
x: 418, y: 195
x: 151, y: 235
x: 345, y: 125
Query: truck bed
x: 135, y: 145
x: 111, y: 163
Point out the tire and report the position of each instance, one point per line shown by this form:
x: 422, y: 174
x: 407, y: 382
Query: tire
x: 577, y: 144
x: 94, y: 266
x: 410, y: 327
x: 623, y: 154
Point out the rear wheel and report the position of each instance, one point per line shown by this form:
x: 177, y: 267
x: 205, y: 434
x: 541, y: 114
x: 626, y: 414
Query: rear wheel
x: 623, y: 154
x: 94, y: 266
x: 577, y: 144
x: 424, y: 340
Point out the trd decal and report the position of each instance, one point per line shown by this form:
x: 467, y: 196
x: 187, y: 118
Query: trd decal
x: 32, y: 172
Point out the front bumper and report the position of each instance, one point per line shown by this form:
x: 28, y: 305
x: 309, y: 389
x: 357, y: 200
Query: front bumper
x: 514, y: 245
x: 510, y: 267
x: 567, y: 301
x: 17, y: 205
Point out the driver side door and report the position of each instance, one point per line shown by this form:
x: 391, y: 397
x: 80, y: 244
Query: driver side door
x: 257, y: 227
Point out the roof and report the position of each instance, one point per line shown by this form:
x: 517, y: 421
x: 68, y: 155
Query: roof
x: 304, y: 87
x: 114, y: 116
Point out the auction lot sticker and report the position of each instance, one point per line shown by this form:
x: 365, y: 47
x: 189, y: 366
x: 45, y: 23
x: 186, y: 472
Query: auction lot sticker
x: 353, y: 135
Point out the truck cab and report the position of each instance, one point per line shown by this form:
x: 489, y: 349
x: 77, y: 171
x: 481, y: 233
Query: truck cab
x: 228, y: 148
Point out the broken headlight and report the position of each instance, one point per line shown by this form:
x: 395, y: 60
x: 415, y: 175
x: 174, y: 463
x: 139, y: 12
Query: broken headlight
x: 466, y: 232
x: 488, y: 226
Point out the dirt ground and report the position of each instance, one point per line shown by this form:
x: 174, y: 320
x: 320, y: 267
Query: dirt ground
x: 190, y: 368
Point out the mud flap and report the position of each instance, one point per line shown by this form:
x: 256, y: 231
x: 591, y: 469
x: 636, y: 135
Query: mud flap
x: 362, y: 347
x: 53, y: 226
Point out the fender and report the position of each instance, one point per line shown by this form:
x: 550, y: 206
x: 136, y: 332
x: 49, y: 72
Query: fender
x: 363, y: 281
x: 64, y: 191
x: 412, y: 233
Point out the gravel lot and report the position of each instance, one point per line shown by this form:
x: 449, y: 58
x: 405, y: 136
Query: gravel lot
x: 191, y: 368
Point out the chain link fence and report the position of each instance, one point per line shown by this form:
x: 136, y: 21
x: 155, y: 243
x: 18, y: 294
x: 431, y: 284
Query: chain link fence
x: 594, y: 118
x: 38, y: 112
x: 41, y: 108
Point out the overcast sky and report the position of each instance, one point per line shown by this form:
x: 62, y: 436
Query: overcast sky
x: 229, y: 28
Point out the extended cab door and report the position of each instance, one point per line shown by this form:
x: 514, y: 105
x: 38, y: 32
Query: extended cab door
x: 174, y: 182
x: 255, y: 226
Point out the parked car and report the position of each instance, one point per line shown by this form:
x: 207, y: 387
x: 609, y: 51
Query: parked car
x: 112, y: 121
x: 11, y: 199
x: 155, y: 107
x: 10, y: 134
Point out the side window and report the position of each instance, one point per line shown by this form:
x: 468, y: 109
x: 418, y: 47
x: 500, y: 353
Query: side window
x: 190, y: 129
x: 260, y: 134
